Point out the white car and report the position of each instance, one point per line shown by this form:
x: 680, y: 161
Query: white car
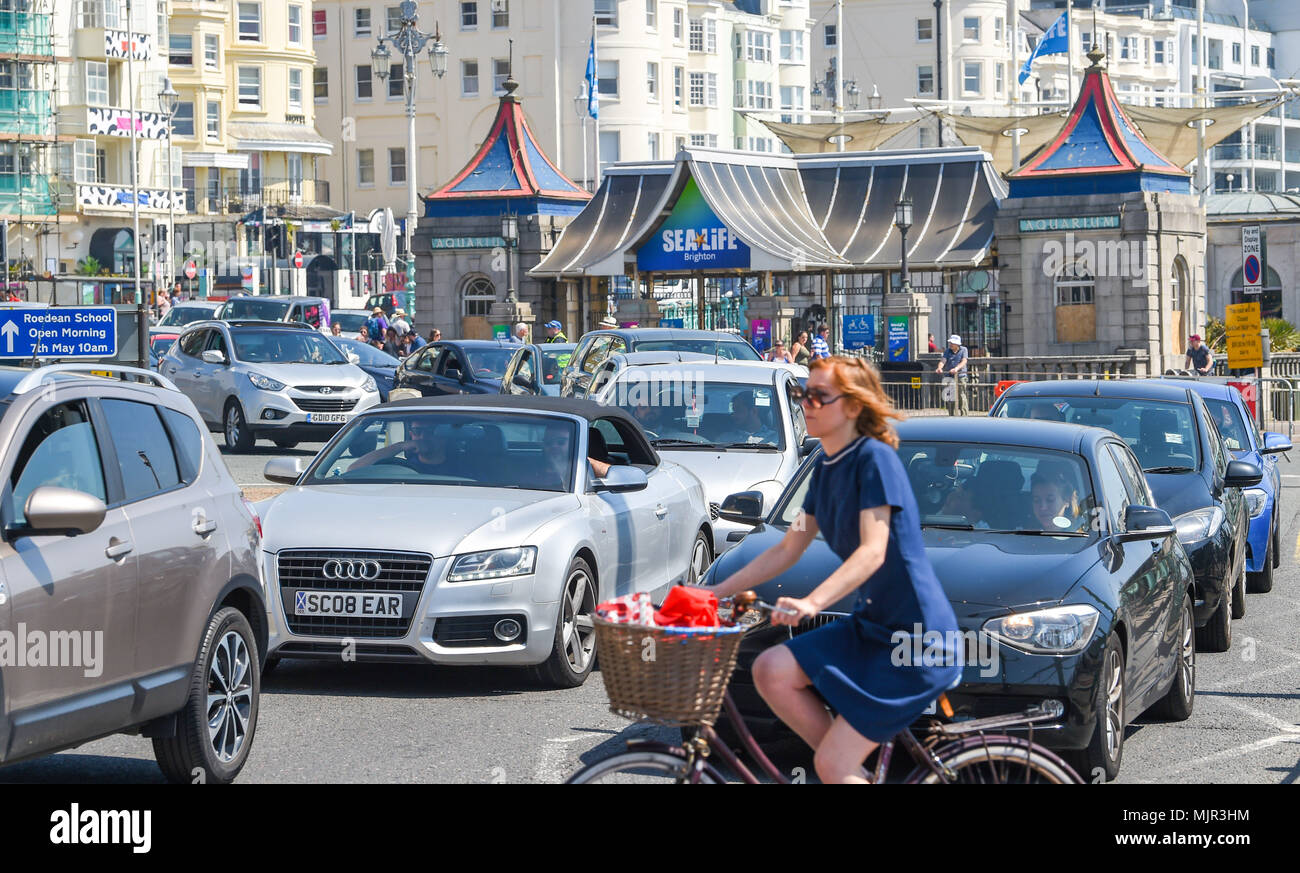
x: 472, y: 530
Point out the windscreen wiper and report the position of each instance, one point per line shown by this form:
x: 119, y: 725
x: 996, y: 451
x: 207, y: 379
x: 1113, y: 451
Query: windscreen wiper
x: 1029, y: 532
x: 948, y: 526
x: 1168, y: 469
x: 763, y: 445
x: 685, y: 444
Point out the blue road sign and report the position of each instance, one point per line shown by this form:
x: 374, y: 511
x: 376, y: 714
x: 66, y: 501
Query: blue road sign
x: 59, y: 332
x: 859, y: 331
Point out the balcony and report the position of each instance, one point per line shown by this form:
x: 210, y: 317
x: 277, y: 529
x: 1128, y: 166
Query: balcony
x: 274, y: 192
x: 113, y: 121
x: 101, y: 43
x: 109, y: 197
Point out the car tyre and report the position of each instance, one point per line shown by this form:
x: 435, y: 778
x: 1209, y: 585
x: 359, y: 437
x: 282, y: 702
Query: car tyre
x: 1177, y: 704
x: 234, y: 425
x: 1262, y: 582
x: 1216, y: 634
x: 1239, y: 593
x: 573, y: 652
x: 1101, y: 759
x: 701, y: 558
x: 215, y: 728
x: 1277, y: 544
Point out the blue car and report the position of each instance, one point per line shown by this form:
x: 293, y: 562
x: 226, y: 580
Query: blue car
x: 376, y: 363
x: 1242, y: 435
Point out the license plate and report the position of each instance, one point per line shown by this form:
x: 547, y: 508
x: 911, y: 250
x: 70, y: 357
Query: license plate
x: 347, y: 603
x: 327, y: 417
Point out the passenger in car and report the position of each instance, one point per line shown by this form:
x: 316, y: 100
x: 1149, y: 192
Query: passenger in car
x: 1054, y: 500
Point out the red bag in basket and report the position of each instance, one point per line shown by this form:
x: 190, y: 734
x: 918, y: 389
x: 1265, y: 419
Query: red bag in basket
x: 688, y: 607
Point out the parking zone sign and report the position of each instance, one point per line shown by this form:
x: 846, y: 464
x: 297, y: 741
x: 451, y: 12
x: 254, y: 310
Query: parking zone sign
x: 1252, y: 271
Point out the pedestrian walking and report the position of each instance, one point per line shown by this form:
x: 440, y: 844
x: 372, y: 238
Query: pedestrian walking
x: 800, y: 349
x: 820, y: 346
x: 953, y: 366
x: 779, y: 353
x: 390, y: 343
x: 520, y: 336
x: 1199, y: 356
x: 377, y: 324
x: 399, y: 322
x: 933, y: 347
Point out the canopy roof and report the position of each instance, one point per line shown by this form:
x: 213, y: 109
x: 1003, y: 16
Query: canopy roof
x: 819, y: 138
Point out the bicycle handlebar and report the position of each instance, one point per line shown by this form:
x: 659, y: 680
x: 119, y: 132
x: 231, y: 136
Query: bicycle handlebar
x: 747, y: 600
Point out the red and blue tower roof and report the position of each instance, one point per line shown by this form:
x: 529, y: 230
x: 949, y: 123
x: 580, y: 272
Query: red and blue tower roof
x: 508, y: 173
x: 1098, y: 151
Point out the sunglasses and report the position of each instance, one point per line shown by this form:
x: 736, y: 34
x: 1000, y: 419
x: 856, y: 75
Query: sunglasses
x: 815, y: 399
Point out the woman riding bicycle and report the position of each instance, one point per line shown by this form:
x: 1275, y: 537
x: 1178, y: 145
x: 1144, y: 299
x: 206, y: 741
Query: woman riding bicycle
x: 860, y: 500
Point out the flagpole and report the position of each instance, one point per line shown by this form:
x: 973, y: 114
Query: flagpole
x: 595, y: 85
x: 1069, y: 53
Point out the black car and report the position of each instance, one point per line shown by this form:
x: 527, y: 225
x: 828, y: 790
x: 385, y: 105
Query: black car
x: 1070, y: 590
x: 597, y: 345
x: 451, y: 367
x: 378, y: 364
x: 535, y: 369
x: 1189, y: 467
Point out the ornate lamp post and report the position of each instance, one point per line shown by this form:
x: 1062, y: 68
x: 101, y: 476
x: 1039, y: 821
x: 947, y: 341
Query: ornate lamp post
x: 903, y: 221
x: 510, y: 233
x: 410, y: 41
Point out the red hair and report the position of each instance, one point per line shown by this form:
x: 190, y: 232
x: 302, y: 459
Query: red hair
x: 859, y: 380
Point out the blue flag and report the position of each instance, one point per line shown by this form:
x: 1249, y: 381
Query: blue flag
x: 593, y: 98
x: 1056, y: 41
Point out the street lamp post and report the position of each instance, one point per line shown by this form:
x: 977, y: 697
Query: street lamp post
x: 168, y: 100
x: 510, y: 233
x: 580, y: 104
x: 903, y: 221
x: 410, y: 41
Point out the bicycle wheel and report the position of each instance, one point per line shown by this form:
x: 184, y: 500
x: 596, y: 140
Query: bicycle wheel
x: 997, y: 760
x: 641, y: 768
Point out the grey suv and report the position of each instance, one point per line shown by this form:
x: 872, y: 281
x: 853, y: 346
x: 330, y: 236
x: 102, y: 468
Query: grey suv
x: 131, y: 598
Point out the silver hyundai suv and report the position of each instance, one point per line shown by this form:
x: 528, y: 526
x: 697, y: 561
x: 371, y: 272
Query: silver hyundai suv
x: 258, y: 379
x: 130, y: 594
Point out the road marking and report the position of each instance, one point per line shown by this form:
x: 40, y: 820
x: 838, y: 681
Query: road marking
x: 551, y: 760
x: 1227, y: 754
x: 1275, y: 723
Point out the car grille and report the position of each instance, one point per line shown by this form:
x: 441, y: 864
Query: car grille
x: 714, y: 509
x: 403, y: 572
x: 811, y: 624
x: 309, y: 405
x: 327, y: 389
x: 474, y: 630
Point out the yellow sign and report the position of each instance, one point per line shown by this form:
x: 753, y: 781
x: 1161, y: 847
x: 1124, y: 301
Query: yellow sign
x: 1242, y: 317
x: 916, y: 381
x: 1245, y: 350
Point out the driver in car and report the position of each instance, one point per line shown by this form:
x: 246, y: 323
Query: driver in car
x: 746, y: 424
x: 426, y: 450
x: 557, y: 449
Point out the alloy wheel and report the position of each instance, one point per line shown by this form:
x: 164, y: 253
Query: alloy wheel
x: 234, y: 425
x: 230, y: 696
x: 1187, y: 657
x: 699, y: 560
x: 579, y: 634
x: 1114, y: 703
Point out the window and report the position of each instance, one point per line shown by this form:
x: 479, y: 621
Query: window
x: 607, y: 13
x: 607, y: 78
x: 704, y: 140
x: 365, y: 166
x: 213, y: 119
x: 1113, y: 490
x: 609, y: 147
x: 1128, y: 48
x: 319, y: 28
x: 652, y: 145
x: 972, y: 76
x: 999, y: 81
x: 1158, y: 55
x: 1236, y: 52
x: 758, y: 94
x: 392, y: 18
x: 85, y: 166
x: 250, y: 87
x: 704, y: 35
x: 697, y: 89
x: 758, y: 46
x: 361, y: 22
x: 469, y: 78
x: 500, y: 72
x: 1076, y: 319
x: 60, y: 450
x: 924, y: 29
x: 792, y: 101
x: 1272, y: 58
x: 364, y: 89
x: 250, y: 22
x: 1254, y: 56
x: 180, y: 50
x: 925, y: 80
x: 500, y: 14
x: 295, y: 90
x: 697, y: 35
x: 320, y: 84
x: 397, y: 166
x: 295, y: 25
x: 186, y: 441
x: 211, y: 51
x: 396, y: 80
x: 652, y: 14
x: 144, y: 453
x: 792, y: 46
x: 97, y: 83
x: 679, y: 87
x: 652, y: 80
x: 829, y: 36
x: 1085, y: 41
x: 997, y: 30
x: 970, y: 29
x: 679, y: 24
x: 711, y: 87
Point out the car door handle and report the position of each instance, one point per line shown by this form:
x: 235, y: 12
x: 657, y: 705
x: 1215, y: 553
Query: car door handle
x: 118, y: 548
x: 204, y: 526
x: 661, y: 511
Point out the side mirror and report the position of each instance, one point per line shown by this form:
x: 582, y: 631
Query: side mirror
x: 214, y: 356
x: 51, y: 511
x: 622, y: 479
x: 1242, y: 474
x: 1146, y: 523
x: 522, y: 382
x: 1274, y: 443
x: 285, y: 471
x: 743, y: 508
x: 809, y: 445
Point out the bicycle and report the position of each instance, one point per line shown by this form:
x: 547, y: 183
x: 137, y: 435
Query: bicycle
x: 947, y: 752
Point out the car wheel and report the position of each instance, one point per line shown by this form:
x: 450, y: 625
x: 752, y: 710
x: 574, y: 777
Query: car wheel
x: 1262, y: 582
x: 1177, y: 704
x: 239, y: 438
x: 574, y: 650
x: 214, y: 730
x: 1239, y: 593
x: 1101, y: 759
x: 285, y: 444
x: 701, y: 558
x: 1277, y: 544
x: 1216, y: 635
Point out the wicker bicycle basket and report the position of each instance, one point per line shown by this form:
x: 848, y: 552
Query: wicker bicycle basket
x: 672, y: 676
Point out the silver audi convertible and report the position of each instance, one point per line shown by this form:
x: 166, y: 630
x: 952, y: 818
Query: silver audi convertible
x: 475, y: 530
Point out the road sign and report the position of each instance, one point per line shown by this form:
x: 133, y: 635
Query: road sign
x: 859, y: 331
x: 1242, y: 317
x: 1251, y: 269
x: 59, y: 332
x: 898, y: 338
x: 191, y: 269
x: 1245, y: 351
x: 297, y: 260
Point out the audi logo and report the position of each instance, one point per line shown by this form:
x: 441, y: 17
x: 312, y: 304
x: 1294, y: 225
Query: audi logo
x: 357, y: 570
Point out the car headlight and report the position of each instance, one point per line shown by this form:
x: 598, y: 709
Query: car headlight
x: 1199, y: 524
x: 1061, y: 630
x: 496, y: 564
x: 1255, y: 500
x: 368, y: 386
x: 266, y: 383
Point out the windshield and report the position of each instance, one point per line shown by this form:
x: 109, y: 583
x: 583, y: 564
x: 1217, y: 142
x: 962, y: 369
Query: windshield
x: 1228, y: 417
x: 245, y: 308
x: 348, y: 322
x: 553, y: 363
x: 988, y: 487
x: 160, y: 344
x: 489, y: 363
x: 1161, y: 433
x: 691, y: 412
x: 182, y: 315
x: 531, y: 452
x: 285, y: 347
x: 728, y: 350
x: 369, y: 355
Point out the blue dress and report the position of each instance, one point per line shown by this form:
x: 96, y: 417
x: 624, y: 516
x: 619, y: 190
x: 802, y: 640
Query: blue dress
x: 885, y: 663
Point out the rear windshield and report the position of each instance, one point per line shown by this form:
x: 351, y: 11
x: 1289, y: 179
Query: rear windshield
x: 1161, y: 433
x: 255, y: 309
x: 729, y: 350
x: 178, y: 316
x: 348, y: 322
